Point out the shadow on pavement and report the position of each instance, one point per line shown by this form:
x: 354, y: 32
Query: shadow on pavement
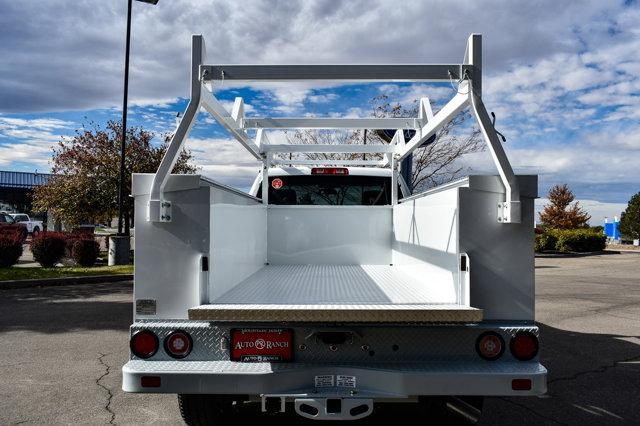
x: 62, y: 309
x: 593, y: 379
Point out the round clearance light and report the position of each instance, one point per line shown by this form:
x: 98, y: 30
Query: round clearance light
x: 524, y: 346
x: 178, y: 344
x: 490, y: 345
x: 144, y: 344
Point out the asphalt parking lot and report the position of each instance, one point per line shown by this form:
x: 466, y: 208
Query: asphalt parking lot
x: 62, y: 349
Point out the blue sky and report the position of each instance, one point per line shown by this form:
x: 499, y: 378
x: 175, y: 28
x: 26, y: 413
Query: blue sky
x: 562, y: 77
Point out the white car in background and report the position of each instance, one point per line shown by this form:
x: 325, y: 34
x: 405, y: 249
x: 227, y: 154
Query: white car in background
x: 34, y: 227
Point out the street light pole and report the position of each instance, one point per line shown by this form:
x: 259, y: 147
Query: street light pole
x: 123, y: 141
x: 119, y: 245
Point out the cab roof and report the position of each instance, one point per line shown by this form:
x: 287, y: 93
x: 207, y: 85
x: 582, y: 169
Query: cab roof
x: 353, y: 171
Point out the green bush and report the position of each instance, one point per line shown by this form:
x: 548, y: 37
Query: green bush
x: 10, y: 250
x: 48, y: 248
x: 579, y: 240
x: 85, y: 251
x: 570, y: 240
x: 545, y: 242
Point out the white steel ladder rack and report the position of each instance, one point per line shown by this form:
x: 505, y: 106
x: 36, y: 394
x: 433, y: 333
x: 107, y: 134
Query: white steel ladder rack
x: 469, y: 93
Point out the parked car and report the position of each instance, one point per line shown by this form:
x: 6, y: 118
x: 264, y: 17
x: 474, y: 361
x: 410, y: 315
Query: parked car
x: 34, y: 227
x: 8, y: 226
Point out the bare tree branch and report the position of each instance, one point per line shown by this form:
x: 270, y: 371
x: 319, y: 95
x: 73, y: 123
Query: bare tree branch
x: 433, y: 164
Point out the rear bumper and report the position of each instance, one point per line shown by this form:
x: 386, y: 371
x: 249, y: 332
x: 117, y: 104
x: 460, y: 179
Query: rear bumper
x: 384, y: 380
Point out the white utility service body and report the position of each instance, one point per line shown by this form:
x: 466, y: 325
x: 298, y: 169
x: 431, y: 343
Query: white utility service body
x: 429, y: 294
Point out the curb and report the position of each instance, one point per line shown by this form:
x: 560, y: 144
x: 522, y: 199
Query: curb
x: 52, y: 282
x: 574, y: 254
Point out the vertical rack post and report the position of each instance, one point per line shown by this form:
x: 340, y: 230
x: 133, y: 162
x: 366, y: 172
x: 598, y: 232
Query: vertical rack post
x: 266, y: 162
x: 394, y: 180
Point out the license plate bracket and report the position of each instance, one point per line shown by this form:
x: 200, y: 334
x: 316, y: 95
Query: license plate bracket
x: 261, y: 345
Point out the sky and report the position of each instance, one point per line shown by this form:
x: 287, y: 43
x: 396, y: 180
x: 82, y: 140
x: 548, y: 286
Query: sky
x: 563, y: 78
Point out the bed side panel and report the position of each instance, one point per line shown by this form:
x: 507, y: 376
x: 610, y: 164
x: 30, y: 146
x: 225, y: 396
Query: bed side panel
x: 238, y: 241
x: 501, y: 255
x: 167, y: 254
x: 425, y: 240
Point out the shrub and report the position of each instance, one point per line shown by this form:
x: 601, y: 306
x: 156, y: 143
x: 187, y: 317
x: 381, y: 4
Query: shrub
x: 48, y: 248
x: 578, y: 240
x: 72, y: 237
x: 545, y: 242
x: 85, y: 251
x: 14, y: 231
x: 570, y: 240
x: 10, y: 250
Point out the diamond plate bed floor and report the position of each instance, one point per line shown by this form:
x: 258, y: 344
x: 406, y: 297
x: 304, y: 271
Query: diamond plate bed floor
x: 337, y: 293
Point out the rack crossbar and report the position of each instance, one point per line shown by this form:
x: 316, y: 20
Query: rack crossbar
x: 329, y: 162
x: 331, y: 123
x: 332, y: 148
x: 360, y: 73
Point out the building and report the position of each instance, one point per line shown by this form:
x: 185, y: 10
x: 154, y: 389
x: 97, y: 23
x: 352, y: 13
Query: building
x: 611, y: 229
x: 16, y: 190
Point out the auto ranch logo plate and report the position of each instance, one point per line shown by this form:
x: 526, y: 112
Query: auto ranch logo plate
x: 261, y: 345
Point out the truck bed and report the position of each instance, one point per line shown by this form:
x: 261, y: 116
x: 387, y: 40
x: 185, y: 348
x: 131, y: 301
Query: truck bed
x: 337, y: 293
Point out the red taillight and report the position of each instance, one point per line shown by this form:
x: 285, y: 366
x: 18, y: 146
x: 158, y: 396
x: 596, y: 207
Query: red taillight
x: 490, y: 345
x: 521, y: 384
x: 144, y: 344
x: 178, y: 344
x: 329, y: 171
x: 524, y: 346
x: 150, y: 381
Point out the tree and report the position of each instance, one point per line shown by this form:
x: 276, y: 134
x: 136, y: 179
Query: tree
x: 560, y: 213
x: 630, y: 220
x: 433, y: 164
x: 86, y: 171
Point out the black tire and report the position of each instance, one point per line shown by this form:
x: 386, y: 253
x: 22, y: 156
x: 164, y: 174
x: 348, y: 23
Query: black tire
x: 201, y: 410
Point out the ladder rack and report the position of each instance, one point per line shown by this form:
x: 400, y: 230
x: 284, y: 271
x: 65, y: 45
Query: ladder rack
x: 468, y: 74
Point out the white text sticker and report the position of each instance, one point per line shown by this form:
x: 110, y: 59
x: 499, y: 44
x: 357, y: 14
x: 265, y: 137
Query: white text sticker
x: 325, y: 381
x: 345, y: 381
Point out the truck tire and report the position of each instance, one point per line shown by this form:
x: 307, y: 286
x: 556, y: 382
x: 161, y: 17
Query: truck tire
x: 201, y: 410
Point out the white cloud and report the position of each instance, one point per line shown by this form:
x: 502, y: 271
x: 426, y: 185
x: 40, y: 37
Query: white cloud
x: 78, y: 49
x: 323, y: 98
x: 555, y: 73
x: 224, y: 160
x: 34, y: 153
x: 596, y: 209
x: 30, y: 140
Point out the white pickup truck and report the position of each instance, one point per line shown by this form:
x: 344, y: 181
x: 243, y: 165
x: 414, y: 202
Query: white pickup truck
x: 34, y: 227
x: 330, y: 290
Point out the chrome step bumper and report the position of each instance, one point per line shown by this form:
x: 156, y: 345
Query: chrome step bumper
x: 375, y: 380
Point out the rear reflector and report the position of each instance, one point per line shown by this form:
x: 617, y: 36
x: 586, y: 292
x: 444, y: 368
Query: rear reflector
x: 144, y: 344
x: 524, y: 346
x: 150, y: 381
x: 329, y: 171
x: 178, y: 344
x: 261, y: 345
x: 490, y: 345
x: 521, y: 384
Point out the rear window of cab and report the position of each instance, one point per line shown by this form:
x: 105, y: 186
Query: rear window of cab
x: 329, y: 190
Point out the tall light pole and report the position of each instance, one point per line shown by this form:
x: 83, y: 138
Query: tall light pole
x: 119, y: 254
